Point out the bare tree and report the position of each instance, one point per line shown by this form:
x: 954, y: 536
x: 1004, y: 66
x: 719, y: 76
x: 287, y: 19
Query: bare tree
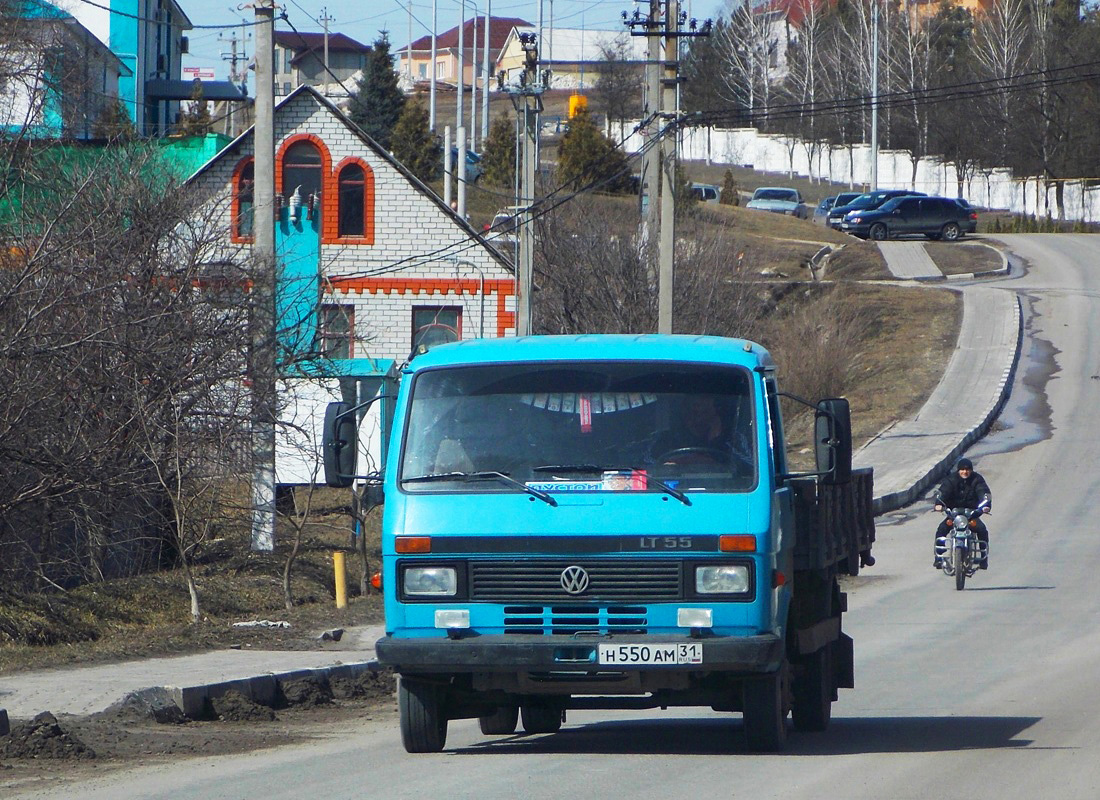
x: 620, y: 83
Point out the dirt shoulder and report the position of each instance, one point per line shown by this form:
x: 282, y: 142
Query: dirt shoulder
x: 965, y: 257
x: 49, y: 752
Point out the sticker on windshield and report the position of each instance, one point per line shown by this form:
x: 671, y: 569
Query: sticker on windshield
x: 624, y: 480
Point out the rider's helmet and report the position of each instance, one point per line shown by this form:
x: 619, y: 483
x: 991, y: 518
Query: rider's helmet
x: 964, y: 463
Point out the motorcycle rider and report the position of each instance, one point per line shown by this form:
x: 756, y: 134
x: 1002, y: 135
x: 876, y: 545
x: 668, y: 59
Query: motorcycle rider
x: 965, y: 488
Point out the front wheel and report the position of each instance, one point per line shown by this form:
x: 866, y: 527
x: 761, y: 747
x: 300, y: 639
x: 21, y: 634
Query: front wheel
x: 878, y: 232
x: 540, y: 718
x: 423, y: 719
x: 765, y: 713
x: 960, y: 568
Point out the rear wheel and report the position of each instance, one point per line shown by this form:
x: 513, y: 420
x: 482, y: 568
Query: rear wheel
x: 878, y: 232
x: 960, y: 568
x: 500, y: 722
x: 951, y: 231
x: 540, y: 718
x: 765, y: 715
x: 423, y: 719
x: 813, y: 692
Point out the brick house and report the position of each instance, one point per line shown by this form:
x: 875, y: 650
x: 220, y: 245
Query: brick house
x: 372, y: 262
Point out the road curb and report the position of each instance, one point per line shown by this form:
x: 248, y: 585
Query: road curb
x: 1000, y: 272
x: 903, y: 497
x: 196, y: 701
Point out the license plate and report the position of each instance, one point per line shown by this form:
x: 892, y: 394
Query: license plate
x: 845, y: 225
x: 651, y: 655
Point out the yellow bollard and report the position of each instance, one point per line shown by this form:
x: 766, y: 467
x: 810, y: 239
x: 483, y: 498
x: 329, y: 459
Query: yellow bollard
x: 341, y: 579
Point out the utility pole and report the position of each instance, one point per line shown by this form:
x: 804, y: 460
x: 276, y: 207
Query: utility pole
x: 231, y: 57
x: 431, y: 69
x: 461, y: 63
x: 527, y: 100
x: 262, y: 366
x: 661, y: 96
x: 325, y: 19
x: 874, y: 94
x: 669, y: 115
x: 486, y: 77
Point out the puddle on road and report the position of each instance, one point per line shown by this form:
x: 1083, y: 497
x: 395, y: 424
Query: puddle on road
x: 1026, y: 416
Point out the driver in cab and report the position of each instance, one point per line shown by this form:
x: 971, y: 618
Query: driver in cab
x: 702, y: 436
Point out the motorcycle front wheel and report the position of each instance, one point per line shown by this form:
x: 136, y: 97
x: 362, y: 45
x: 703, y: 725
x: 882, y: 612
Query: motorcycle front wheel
x: 960, y: 567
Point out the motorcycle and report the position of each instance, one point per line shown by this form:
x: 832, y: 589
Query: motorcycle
x: 959, y: 550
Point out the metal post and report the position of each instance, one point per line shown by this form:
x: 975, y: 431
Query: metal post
x: 473, y: 86
x: 448, y: 164
x: 874, y: 95
x: 667, y: 244
x: 486, y: 77
x: 460, y: 171
x: 431, y: 69
x: 325, y: 20
x: 262, y: 365
x: 461, y: 63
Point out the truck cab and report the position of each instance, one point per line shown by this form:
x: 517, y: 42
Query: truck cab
x: 607, y: 521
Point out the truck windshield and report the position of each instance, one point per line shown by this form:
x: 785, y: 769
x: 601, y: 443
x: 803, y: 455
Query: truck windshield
x: 592, y: 426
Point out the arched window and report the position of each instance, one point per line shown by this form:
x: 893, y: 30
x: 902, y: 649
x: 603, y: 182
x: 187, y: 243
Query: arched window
x: 243, y: 200
x: 352, y: 184
x: 302, y: 170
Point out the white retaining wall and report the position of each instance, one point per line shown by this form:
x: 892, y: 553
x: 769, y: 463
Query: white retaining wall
x: 994, y: 188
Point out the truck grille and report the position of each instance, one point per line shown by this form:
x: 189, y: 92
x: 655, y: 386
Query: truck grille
x: 612, y: 580
x: 568, y: 620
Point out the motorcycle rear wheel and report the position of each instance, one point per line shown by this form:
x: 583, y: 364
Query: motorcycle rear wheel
x: 960, y: 568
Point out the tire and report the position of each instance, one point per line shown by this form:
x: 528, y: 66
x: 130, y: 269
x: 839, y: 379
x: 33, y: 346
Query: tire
x: 540, y: 718
x: 501, y: 722
x: 423, y: 720
x: 879, y: 232
x: 951, y: 232
x: 960, y: 568
x: 765, y: 717
x: 813, y: 692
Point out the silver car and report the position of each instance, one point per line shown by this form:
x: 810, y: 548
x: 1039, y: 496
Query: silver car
x: 779, y: 200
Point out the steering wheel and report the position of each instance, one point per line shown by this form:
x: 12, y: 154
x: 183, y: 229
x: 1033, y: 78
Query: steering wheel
x: 712, y: 453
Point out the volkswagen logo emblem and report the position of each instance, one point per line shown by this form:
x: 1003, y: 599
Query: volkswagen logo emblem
x: 574, y: 580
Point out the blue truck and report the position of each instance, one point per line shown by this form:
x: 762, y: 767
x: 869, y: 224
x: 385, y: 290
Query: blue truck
x: 609, y: 522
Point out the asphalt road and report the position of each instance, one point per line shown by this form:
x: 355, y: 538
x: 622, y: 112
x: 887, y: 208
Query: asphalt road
x: 987, y: 693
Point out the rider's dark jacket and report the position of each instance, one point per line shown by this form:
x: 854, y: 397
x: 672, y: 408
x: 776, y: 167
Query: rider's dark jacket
x: 959, y: 492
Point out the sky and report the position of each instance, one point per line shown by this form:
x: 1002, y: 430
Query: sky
x: 363, y: 20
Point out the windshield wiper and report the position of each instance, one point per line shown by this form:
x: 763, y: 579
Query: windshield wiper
x: 683, y: 498
x: 483, y: 475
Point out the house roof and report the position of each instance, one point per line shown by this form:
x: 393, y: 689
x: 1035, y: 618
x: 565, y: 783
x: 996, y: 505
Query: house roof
x: 575, y: 45
x: 293, y: 40
x: 379, y: 151
x: 499, y: 29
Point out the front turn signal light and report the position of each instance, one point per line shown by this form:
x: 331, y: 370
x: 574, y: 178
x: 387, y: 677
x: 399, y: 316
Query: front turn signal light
x: 413, y: 544
x: 737, y: 543
x: 376, y: 581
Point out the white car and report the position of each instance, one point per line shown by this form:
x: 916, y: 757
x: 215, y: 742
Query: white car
x: 779, y: 200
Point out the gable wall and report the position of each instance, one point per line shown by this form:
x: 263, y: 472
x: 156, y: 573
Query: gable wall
x: 406, y: 224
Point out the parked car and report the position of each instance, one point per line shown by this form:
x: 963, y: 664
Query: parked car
x: 779, y: 200
x: 934, y: 217
x: 866, y: 202
x: 705, y: 192
x: 474, y: 167
x: 501, y: 232
x: 821, y: 213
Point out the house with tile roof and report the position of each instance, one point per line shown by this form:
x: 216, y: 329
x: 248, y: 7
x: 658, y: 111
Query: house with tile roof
x: 300, y: 60
x: 416, y: 57
x: 372, y: 263
x: 573, y: 55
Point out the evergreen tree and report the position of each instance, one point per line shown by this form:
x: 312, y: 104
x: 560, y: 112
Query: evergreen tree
x: 586, y: 156
x: 378, y: 101
x: 731, y: 192
x: 413, y: 142
x: 195, y: 121
x: 499, y: 152
x: 114, y: 124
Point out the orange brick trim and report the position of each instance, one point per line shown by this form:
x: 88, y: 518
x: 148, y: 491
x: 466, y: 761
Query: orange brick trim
x: 328, y: 180
x: 235, y: 203
x: 503, y: 289
x: 331, y: 221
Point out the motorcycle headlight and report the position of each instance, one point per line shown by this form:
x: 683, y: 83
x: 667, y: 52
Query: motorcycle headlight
x: 722, y: 579
x: 961, y: 521
x: 431, y: 581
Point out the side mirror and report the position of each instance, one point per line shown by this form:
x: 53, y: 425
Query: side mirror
x: 833, y: 440
x: 338, y: 445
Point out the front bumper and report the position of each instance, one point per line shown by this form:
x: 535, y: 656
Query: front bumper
x: 534, y: 653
